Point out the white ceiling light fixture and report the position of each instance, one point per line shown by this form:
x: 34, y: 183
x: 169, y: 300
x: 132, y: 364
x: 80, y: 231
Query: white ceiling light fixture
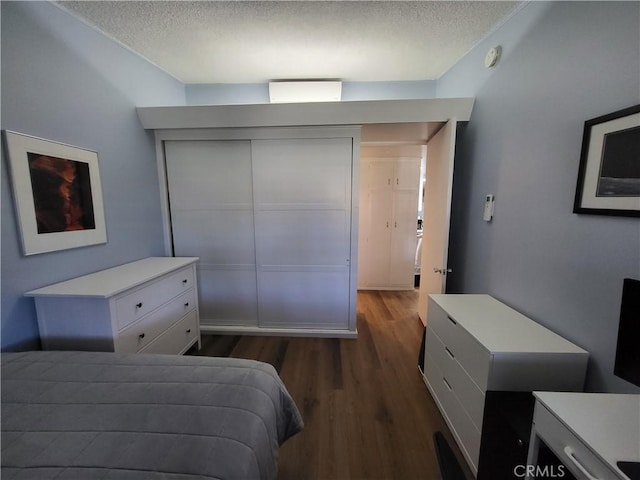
x: 303, y: 91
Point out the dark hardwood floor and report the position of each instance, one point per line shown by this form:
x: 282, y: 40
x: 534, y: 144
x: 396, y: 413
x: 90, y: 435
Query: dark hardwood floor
x: 367, y: 412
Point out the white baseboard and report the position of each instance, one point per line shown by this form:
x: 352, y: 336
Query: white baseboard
x: 278, y: 332
x: 395, y: 288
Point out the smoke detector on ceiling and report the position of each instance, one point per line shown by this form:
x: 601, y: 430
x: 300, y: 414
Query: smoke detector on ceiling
x: 492, y: 57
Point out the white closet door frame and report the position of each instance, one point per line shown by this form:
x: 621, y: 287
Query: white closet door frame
x: 352, y: 132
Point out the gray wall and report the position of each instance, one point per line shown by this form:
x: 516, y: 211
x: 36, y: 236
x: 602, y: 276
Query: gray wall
x: 65, y: 82
x: 562, y: 63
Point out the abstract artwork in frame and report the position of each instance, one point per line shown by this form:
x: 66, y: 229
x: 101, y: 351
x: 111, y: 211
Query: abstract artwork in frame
x: 609, y: 174
x: 57, y: 193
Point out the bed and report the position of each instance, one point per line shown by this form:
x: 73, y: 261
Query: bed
x: 92, y: 415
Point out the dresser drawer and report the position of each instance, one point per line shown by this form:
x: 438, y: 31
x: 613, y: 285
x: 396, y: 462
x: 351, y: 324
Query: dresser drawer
x: 176, y: 338
x: 467, y: 392
x: 143, y: 332
x: 145, y: 299
x: 469, y: 353
x: 461, y: 425
x: 570, y: 450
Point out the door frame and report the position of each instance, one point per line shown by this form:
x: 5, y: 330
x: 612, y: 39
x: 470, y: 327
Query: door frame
x: 448, y: 156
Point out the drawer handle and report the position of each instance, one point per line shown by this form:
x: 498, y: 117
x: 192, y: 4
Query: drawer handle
x: 449, y: 352
x: 139, y: 305
x: 447, y: 384
x: 569, y: 453
x: 184, y: 282
x: 188, y: 330
x: 141, y: 336
x: 452, y: 320
x: 186, y: 304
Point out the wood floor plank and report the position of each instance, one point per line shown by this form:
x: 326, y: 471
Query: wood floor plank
x: 367, y: 411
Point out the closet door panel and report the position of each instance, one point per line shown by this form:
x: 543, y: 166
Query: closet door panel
x: 227, y: 296
x: 302, y: 192
x: 304, y: 299
x: 208, y: 173
x: 302, y: 172
x: 379, y: 235
x: 211, y: 201
x: 221, y: 237
x: 293, y: 237
x: 381, y: 175
x: 407, y: 174
x: 403, y: 238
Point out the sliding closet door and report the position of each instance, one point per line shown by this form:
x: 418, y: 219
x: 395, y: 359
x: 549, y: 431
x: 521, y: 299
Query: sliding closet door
x: 211, y: 201
x: 302, y: 203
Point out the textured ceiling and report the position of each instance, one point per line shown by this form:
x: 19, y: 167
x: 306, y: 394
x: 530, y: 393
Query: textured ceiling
x: 250, y: 42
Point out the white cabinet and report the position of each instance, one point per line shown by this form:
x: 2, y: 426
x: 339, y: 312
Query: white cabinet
x: 482, y: 360
x: 269, y: 213
x: 390, y: 213
x: 148, y: 306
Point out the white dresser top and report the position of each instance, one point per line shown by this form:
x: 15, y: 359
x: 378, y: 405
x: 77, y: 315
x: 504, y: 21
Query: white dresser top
x: 608, y: 423
x: 500, y: 328
x: 110, y: 282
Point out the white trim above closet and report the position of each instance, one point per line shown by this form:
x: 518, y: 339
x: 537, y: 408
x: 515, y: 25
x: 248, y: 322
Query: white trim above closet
x: 304, y: 114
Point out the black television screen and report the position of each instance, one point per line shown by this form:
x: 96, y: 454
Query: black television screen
x: 627, y: 364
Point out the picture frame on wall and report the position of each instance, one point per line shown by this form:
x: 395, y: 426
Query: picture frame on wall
x: 609, y: 172
x: 57, y: 194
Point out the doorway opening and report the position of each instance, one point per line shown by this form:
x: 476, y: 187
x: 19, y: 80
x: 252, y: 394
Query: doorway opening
x: 395, y: 195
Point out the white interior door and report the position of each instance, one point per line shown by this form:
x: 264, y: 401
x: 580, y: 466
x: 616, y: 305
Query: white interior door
x: 437, y: 213
x: 302, y: 204
x: 210, y: 191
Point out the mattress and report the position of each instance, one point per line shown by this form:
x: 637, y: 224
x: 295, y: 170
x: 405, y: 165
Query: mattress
x: 92, y: 415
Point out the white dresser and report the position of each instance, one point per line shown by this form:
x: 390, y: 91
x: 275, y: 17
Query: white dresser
x: 482, y: 360
x: 147, y: 306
